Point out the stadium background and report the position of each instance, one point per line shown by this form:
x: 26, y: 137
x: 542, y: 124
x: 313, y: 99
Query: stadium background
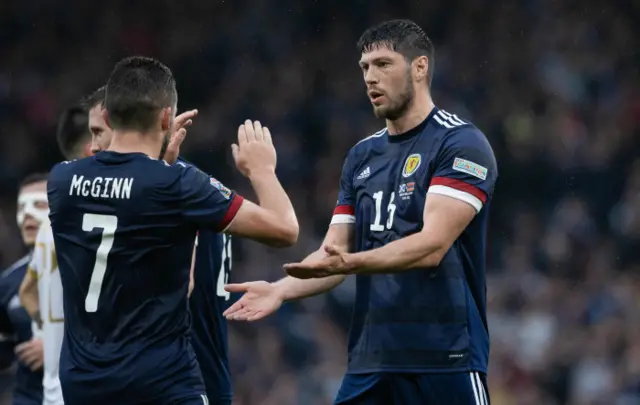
x: 553, y: 84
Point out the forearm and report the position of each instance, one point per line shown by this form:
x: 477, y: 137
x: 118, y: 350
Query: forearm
x: 29, y: 298
x: 30, y: 302
x: 272, y: 197
x: 408, y: 253
x: 293, y: 288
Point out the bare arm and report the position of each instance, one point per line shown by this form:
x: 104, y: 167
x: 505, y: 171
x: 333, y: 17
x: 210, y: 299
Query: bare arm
x: 261, y: 298
x: 29, y: 296
x: 290, y: 288
x: 274, y: 221
x: 445, y: 218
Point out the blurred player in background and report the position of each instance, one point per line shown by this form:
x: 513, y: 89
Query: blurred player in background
x: 124, y: 225
x: 100, y: 132
x: 415, y: 196
x: 41, y: 290
x: 15, y: 323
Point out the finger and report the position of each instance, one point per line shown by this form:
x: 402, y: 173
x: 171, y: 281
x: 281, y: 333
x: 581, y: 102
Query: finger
x: 267, y: 135
x: 250, y: 131
x: 233, y: 308
x: 237, y: 287
x: 257, y: 316
x: 331, y: 249
x: 240, y: 315
x: 21, y: 348
x: 185, y: 116
x: 30, y: 358
x: 257, y: 127
x: 234, y: 151
x: 303, y: 266
x: 251, y: 315
x: 242, y: 135
x: 188, y: 123
x: 177, y: 139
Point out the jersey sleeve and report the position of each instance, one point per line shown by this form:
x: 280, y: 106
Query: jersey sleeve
x: 344, y: 212
x: 206, y: 201
x: 465, y: 168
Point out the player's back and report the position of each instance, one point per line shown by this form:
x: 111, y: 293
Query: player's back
x: 124, y: 227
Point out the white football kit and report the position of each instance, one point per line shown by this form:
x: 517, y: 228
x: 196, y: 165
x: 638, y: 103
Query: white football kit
x: 44, y: 266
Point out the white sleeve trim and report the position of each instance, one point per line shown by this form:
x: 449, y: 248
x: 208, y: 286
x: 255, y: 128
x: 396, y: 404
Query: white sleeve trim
x: 343, y: 219
x: 458, y: 195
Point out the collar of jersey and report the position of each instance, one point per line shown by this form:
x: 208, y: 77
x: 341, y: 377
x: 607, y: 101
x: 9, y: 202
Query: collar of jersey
x: 413, y: 131
x: 111, y: 156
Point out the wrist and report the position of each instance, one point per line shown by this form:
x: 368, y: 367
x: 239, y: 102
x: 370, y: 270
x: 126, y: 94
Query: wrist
x: 260, y: 175
x: 353, y: 263
x: 280, y: 290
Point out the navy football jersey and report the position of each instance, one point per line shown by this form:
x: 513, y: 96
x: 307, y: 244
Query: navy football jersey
x: 423, y: 320
x: 208, y: 301
x: 16, y: 328
x: 124, y: 226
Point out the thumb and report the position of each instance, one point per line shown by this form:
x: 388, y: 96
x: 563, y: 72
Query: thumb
x: 234, y: 151
x: 332, y: 249
x: 242, y: 287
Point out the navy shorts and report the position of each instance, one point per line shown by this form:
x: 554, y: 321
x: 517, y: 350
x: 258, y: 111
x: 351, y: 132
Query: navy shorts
x: 24, y: 400
x: 469, y: 388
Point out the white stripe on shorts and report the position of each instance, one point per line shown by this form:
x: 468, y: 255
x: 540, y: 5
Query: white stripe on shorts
x: 205, y: 400
x: 478, y: 389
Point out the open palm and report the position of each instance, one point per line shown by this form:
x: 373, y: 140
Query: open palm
x: 260, y: 299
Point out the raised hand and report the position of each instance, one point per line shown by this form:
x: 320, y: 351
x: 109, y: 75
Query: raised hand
x: 260, y: 299
x: 178, y: 133
x: 254, y: 153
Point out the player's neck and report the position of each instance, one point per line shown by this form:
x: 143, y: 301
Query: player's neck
x: 418, y: 111
x: 135, y: 142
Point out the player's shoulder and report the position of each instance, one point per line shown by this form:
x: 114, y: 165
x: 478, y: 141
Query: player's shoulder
x: 18, y: 264
x: 59, y: 170
x: 377, y: 139
x: 453, y: 130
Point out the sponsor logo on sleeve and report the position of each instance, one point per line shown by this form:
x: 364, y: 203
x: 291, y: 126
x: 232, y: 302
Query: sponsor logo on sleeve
x: 223, y: 190
x: 469, y: 167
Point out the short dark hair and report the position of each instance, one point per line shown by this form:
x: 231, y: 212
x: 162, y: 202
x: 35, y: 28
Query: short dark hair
x: 73, y: 131
x: 94, y: 99
x: 137, y: 89
x: 402, y: 36
x: 34, y: 178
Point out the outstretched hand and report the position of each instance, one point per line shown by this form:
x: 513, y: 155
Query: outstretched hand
x: 178, y: 133
x: 335, y: 263
x: 260, y: 299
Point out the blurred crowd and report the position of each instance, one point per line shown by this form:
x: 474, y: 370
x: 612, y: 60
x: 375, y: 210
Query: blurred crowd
x: 554, y: 84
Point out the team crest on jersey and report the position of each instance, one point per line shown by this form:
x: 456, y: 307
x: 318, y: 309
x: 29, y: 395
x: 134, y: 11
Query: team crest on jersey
x: 223, y: 190
x: 411, y: 164
x: 467, y: 166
